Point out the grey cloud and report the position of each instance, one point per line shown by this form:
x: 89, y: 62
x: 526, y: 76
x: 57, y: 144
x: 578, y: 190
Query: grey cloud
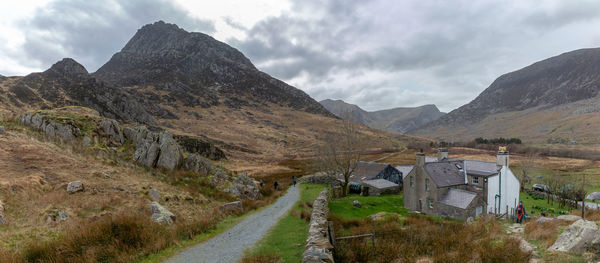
x: 91, y: 31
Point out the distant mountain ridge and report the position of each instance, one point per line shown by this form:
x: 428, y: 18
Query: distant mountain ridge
x: 564, y: 87
x: 402, y: 120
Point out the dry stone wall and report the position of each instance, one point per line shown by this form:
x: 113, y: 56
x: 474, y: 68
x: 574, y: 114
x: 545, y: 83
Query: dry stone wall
x: 318, y: 248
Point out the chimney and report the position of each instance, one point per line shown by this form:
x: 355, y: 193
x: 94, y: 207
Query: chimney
x: 502, y: 159
x: 420, y: 159
x: 442, y: 153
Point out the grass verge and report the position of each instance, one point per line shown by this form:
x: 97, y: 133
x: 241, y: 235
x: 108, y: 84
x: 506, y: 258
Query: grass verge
x: 285, y: 241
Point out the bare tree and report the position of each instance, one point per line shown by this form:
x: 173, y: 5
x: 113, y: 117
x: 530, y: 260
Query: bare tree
x: 341, y: 152
x: 526, y: 167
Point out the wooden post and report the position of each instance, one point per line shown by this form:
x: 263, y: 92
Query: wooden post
x: 583, y: 198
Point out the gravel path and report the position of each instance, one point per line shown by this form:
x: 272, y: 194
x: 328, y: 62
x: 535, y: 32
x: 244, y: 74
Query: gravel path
x: 230, y: 246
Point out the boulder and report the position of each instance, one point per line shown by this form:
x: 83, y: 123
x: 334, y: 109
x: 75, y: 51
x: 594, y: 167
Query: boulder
x: 570, y: 218
x: 356, y: 203
x: 195, y: 162
x: 219, y: 178
x: 576, y: 236
x: 3, y: 220
x: 171, y: 155
x: 129, y: 134
x: 146, y: 147
x: 542, y: 220
x: 593, y: 246
x: 111, y: 129
x: 74, y: 187
x: 245, y: 188
x: 154, y: 194
x: 161, y: 215
x: 237, y: 205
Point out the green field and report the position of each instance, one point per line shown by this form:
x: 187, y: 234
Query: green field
x: 286, y: 239
x: 534, y: 207
x: 343, y: 208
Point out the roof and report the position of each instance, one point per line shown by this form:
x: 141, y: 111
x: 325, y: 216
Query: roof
x: 369, y: 169
x: 481, y: 168
x: 380, y: 183
x: 405, y: 169
x: 458, y: 198
x: 445, y: 174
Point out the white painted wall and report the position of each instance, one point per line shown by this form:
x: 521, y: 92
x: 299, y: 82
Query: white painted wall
x: 509, y: 191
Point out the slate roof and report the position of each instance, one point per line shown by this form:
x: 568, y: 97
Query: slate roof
x: 380, y: 183
x: 481, y: 168
x: 366, y: 171
x: 444, y: 174
x: 405, y: 169
x: 458, y: 198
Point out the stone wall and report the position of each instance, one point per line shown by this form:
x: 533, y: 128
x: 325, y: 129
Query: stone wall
x: 318, y: 248
x: 320, y: 178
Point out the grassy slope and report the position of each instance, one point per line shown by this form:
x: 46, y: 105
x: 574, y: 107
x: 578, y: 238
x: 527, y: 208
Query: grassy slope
x: 343, y: 207
x: 287, y: 238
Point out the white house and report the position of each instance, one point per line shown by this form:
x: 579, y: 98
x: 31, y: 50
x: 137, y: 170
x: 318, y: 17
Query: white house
x: 503, y: 188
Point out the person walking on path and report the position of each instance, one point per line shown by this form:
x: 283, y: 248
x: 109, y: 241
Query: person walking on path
x: 275, y: 185
x: 294, y: 180
x: 521, y: 212
x: 261, y: 183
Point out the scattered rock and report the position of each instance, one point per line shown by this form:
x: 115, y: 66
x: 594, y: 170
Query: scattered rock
x: 469, y: 221
x: 378, y: 216
x: 86, y: 141
x: 570, y: 218
x: 74, y: 187
x: 3, y: 219
x: 195, y: 162
x: 161, y: 215
x: 575, y: 237
x: 542, y: 220
x: 356, y: 203
x: 154, y: 194
x: 56, y: 216
x: 2, y: 131
x: 237, y: 205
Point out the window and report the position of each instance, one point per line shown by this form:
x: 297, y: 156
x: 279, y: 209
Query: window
x: 475, y: 180
x: 411, y: 181
x: 426, y: 184
x: 430, y: 203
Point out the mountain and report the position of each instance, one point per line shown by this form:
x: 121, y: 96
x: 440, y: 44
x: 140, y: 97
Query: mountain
x: 401, y: 120
x: 551, y: 100
x: 193, y: 86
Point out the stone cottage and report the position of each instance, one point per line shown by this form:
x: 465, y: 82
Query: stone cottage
x: 460, y: 188
x: 379, y: 178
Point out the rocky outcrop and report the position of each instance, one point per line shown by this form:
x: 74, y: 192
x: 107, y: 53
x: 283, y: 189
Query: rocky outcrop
x: 74, y: 187
x: 245, y: 188
x: 111, y: 129
x: 157, y: 150
x: 569, y: 218
x: 318, y: 248
x: 195, y: 162
x: 576, y: 237
x: 161, y: 215
x: 204, y: 148
x: 66, y: 129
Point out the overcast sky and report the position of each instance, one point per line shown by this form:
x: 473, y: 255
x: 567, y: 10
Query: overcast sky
x: 376, y: 54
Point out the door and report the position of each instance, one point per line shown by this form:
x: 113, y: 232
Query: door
x: 420, y: 205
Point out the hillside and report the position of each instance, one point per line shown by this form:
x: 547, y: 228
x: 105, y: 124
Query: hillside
x: 554, y: 100
x: 191, y: 85
x: 399, y: 120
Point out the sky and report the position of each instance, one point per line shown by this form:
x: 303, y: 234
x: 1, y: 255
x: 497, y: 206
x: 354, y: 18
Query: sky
x: 376, y: 54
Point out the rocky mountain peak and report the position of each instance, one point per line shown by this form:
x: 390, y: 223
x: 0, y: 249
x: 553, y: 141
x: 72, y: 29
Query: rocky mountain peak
x: 68, y: 68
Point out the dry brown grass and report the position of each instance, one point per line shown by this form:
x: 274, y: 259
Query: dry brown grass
x: 417, y: 237
x: 545, y: 233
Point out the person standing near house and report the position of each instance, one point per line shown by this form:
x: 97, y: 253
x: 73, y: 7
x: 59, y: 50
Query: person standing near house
x: 294, y: 180
x: 275, y: 185
x: 520, y: 212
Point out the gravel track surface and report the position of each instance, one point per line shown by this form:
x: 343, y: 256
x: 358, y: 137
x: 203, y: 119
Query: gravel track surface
x: 230, y: 245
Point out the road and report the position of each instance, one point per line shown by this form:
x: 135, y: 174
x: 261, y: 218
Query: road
x: 229, y: 247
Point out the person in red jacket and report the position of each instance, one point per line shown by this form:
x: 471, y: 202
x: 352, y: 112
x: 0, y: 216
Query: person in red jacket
x: 520, y: 212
